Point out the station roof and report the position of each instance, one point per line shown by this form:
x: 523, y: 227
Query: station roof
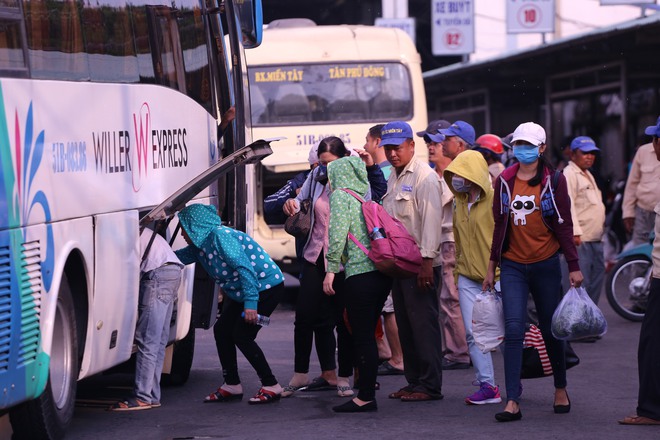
x: 636, y: 42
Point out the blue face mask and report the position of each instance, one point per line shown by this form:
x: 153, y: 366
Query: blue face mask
x: 460, y: 185
x: 526, y: 154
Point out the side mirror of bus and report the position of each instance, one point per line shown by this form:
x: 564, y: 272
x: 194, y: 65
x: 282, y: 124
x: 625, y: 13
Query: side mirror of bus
x: 252, y: 22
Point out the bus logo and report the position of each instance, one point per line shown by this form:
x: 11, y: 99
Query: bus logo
x: 20, y: 197
x: 141, y: 124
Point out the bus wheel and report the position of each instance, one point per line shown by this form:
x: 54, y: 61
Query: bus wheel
x: 48, y: 416
x: 181, y: 360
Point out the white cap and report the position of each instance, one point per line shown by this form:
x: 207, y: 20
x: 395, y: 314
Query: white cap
x: 313, y: 155
x: 530, y: 132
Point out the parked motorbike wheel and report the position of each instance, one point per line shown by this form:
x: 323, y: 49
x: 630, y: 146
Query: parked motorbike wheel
x: 628, y: 285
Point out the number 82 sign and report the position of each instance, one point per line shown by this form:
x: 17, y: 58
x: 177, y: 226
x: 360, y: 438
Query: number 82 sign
x: 530, y: 16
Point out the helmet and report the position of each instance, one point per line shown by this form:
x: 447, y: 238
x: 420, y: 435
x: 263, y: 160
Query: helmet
x: 490, y: 142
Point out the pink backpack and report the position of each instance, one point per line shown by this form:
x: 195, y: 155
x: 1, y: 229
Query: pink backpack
x: 393, y: 250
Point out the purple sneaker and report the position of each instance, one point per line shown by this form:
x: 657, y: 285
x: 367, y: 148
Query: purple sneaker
x: 486, y: 394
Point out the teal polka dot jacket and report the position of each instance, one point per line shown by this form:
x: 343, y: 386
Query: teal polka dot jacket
x: 237, y: 263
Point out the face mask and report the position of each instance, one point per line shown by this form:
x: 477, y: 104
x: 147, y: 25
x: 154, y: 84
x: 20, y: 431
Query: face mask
x: 526, y: 155
x: 460, y: 185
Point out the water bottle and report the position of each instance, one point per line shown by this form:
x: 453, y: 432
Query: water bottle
x: 261, y: 319
x: 377, y: 233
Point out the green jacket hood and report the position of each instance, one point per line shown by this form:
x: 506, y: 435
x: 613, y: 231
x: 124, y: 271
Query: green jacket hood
x: 348, y: 172
x: 199, y: 221
x: 472, y: 166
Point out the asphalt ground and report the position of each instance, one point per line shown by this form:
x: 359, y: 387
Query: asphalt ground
x: 602, y: 389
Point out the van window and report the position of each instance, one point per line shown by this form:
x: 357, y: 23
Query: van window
x: 327, y: 93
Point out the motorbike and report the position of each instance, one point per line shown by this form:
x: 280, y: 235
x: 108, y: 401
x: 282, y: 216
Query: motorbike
x: 629, y: 281
x: 615, y: 235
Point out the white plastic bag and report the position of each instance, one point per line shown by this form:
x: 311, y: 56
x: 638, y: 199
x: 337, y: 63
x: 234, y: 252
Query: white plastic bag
x: 488, y: 321
x: 577, y: 317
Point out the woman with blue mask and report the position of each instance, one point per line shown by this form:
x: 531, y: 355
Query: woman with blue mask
x: 532, y: 213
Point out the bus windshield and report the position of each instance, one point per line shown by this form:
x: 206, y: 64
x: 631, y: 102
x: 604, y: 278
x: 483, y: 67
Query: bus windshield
x: 315, y: 94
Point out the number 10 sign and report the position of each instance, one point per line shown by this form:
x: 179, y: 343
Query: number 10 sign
x: 530, y: 16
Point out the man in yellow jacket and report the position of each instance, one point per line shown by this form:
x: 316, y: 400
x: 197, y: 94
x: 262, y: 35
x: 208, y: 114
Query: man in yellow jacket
x: 468, y: 178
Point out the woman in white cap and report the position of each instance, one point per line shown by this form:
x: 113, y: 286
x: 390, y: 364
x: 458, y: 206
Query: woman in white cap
x: 533, y: 224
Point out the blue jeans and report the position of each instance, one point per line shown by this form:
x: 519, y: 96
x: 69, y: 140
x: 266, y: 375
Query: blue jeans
x: 483, y: 362
x: 158, y: 290
x: 543, y: 280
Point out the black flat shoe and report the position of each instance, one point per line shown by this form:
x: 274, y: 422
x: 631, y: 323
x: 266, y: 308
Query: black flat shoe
x: 562, y: 409
x: 506, y: 416
x: 352, y: 407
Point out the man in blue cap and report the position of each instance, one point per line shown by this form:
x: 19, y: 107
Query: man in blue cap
x: 648, y: 353
x: 588, y: 212
x: 455, y: 347
x: 459, y: 137
x: 641, y: 193
x: 413, y: 197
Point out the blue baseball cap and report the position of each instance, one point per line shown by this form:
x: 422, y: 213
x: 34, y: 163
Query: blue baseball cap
x: 395, y: 133
x: 461, y: 129
x: 653, y: 130
x: 584, y: 144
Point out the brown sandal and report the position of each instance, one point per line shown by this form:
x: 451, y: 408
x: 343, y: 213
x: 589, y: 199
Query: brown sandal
x: 638, y: 420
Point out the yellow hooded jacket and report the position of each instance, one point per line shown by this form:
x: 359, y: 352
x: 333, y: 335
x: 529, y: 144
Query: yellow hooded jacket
x: 473, y: 229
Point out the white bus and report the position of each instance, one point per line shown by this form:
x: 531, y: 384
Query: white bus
x: 106, y: 109
x: 308, y: 82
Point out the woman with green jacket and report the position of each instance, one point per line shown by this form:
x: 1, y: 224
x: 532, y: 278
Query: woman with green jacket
x: 366, y: 288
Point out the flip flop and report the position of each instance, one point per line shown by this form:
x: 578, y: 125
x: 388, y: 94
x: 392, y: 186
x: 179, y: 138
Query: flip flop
x: 319, y: 384
x: 130, y: 404
x: 386, y: 369
x: 288, y: 390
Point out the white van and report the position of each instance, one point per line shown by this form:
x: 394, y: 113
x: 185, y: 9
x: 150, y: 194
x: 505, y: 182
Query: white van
x: 308, y: 82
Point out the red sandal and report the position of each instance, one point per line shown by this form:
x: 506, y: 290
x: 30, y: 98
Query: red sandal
x: 264, y: 396
x: 222, y: 396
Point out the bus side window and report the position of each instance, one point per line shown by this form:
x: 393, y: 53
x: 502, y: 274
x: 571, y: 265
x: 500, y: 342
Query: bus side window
x: 291, y: 104
x: 195, y: 53
x: 12, y: 55
x: 109, y: 42
x: 55, y: 40
x: 142, y: 45
x: 166, y: 49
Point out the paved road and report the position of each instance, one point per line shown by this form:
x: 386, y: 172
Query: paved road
x: 602, y: 389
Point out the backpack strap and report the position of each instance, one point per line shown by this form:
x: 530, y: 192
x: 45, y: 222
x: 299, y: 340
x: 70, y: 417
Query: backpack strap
x: 358, y: 243
x: 351, y: 192
x: 350, y: 235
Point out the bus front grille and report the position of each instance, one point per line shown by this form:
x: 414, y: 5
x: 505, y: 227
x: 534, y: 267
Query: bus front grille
x: 31, y: 291
x: 29, y: 295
